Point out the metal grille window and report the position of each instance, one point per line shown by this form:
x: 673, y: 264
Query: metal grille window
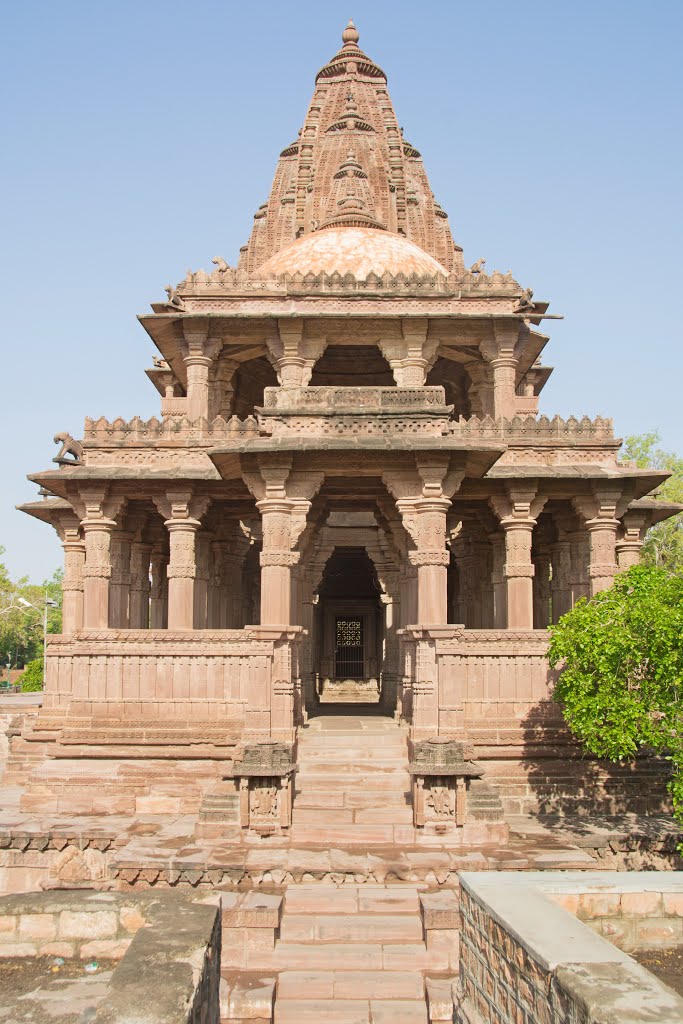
x: 349, y: 649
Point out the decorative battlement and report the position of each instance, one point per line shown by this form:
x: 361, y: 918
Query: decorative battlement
x: 230, y: 281
x: 139, y: 431
x: 535, y: 428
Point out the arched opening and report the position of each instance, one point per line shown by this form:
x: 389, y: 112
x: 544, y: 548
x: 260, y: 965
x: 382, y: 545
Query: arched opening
x: 251, y: 379
x: 349, y: 631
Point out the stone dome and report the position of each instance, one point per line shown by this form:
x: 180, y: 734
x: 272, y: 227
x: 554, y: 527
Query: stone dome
x: 350, y: 250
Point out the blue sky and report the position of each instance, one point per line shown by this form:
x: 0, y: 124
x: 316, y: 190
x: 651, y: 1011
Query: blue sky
x: 139, y: 139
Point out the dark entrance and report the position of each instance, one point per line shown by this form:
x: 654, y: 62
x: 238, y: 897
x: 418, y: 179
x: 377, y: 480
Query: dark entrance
x: 349, y: 657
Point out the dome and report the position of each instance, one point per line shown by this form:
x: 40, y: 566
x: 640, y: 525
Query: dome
x: 349, y: 250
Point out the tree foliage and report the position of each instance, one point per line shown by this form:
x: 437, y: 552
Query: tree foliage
x: 21, y: 628
x: 664, y: 542
x: 621, y: 655
x: 32, y: 677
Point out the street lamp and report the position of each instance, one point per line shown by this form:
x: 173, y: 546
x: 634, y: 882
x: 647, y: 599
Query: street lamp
x: 48, y: 603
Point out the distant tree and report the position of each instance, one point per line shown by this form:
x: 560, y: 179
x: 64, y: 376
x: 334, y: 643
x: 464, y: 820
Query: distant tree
x: 31, y: 678
x: 621, y: 661
x: 664, y: 542
x: 21, y: 628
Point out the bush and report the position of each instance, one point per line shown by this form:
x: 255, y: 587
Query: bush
x: 31, y: 678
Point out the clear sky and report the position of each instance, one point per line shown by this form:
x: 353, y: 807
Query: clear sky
x: 140, y: 137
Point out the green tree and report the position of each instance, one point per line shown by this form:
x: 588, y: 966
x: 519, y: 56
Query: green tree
x: 664, y: 542
x: 21, y: 628
x: 621, y: 660
x: 32, y: 677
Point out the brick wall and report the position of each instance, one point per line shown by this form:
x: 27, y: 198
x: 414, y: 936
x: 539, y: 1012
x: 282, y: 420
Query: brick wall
x: 525, y: 960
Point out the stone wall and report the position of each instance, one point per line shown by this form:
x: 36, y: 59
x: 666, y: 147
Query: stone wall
x: 166, y: 946
x: 523, y: 957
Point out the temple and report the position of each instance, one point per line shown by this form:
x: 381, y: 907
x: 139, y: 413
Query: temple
x: 347, y: 505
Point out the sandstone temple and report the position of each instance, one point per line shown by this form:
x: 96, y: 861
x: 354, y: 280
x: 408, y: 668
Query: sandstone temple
x: 306, y: 603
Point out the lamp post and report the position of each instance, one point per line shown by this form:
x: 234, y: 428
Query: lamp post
x: 48, y: 603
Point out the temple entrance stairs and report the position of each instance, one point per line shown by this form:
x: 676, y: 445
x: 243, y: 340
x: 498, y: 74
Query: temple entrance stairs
x: 344, y: 955
x: 352, y: 784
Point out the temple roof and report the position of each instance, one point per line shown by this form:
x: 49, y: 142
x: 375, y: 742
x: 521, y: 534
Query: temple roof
x: 350, y: 167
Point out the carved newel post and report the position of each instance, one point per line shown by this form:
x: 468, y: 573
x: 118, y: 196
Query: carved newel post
x: 182, y: 512
x: 518, y: 512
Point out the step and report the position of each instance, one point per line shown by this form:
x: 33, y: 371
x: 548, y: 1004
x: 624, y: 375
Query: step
x: 247, y: 995
x: 350, y: 1011
x: 349, y: 899
x: 354, y: 798
x: 305, y: 985
x: 375, y: 780
x: 351, y: 928
x: 343, y: 834
x: 323, y: 815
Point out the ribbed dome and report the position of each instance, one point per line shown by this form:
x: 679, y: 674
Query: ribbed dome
x: 350, y: 250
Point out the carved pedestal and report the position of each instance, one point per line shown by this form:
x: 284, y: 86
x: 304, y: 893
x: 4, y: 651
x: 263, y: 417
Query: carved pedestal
x: 440, y: 771
x: 264, y: 777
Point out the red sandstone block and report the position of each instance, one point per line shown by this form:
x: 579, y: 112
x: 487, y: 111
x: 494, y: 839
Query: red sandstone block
x: 37, y: 926
x: 658, y: 932
x: 312, y: 984
x: 598, y: 904
x: 8, y: 924
x: 321, y: 1011
x: 395, y: 1012
x: 321, y: 899
x: 328, y: 956
x: 641, y: 903
x: 406, y: 957
x: 673, y: 903
x: 378, y: 985
x: 110, y: 949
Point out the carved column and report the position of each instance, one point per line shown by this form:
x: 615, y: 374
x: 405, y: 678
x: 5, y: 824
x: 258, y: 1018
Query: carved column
x: 578, y: 580
x: 182, y: 514
x: 561, y: 587
x: 201, y: 579
x: 69, y: 530
x: 411, y: 356
x: 541, y: 589
x: 98, y: 525
x: 498, y: 579
x: 198, y: 354
x: 634, y: 525
x: 292, y: 355
x: 158, y: 605
x: 518, y: 513
x: 119, y: 591
x: 601, y: 515
x: 284, y: 499
x: 423, y: 497
x: 140, y: 555
x: 499, y: 352
x: 480, y: 392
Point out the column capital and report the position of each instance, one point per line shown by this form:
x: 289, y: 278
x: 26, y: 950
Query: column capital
x: 181, y: 504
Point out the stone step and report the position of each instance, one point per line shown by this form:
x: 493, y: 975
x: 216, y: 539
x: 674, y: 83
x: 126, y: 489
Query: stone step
x: 345, y: 835
x: 247, y: 995
x: 396, y: 780
x: 441, y: 996
x: 393, y: 815
x: 351, y: 928
x: 305, y: 985
x: 350, y: 1011
x: 364, y: 797
x: 350, y: 899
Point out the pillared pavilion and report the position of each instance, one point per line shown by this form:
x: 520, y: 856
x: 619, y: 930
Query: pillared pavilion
x: 347, y: 501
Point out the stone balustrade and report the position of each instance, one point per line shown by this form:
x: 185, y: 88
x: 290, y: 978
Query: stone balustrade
x: 247, y: 675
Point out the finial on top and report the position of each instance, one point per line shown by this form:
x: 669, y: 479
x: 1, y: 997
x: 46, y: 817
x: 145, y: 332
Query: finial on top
x: 350, y: 33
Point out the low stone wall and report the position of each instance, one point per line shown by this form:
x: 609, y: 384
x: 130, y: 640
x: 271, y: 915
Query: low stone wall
x: 648, y: 915
x: 168, y: 948
x: 524, y: 957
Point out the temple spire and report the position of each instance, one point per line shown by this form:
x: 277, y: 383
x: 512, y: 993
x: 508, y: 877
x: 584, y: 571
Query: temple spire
x: 315, y: 187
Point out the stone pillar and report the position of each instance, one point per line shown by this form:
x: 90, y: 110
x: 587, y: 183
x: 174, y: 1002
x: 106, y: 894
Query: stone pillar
x: 499, y: 352
x: 158, y: 606
x: 201, y: 579
x: 480, y: 392
x: 541, y: 589
x: 292, y: 355
x: 498, y: 579
x: 182, y: 513
x: 140, y: 555
x: 600, y: 513
x: 69, y: 529
x: 98, y: 524
x: 630, y: 538
x: 411, y: 356
x: 578, y: 579
x: 119, y: 591
x: 561, y: 587
x: 423, y: 497
x: 518, y: 513
x: 284, y: 500
x: 199, y: 353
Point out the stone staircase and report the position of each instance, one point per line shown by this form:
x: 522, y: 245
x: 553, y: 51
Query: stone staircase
x: 347, y: 955
x: 352, y: 784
